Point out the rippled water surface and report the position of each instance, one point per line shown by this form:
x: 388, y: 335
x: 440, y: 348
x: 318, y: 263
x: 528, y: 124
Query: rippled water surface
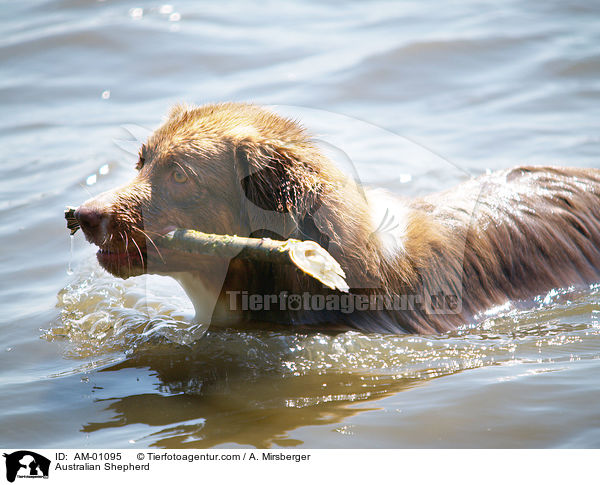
x: 410, y: 96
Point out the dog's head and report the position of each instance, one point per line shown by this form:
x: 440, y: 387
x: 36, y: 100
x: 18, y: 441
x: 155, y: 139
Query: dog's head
x: 223, y: 169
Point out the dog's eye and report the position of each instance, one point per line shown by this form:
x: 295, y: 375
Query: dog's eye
x: 179, y: 177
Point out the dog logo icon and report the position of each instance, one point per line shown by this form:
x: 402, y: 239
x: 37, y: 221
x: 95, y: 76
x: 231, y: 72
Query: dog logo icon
x: 26, y: 464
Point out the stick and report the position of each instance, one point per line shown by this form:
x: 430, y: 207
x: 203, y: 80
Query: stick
x: 308, y: 256
x: 72, y: 223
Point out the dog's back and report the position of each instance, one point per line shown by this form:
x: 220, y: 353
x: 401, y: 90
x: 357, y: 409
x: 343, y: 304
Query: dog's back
x: 520, y: 232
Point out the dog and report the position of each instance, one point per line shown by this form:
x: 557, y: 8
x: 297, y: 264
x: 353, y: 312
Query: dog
x: 425, y: 265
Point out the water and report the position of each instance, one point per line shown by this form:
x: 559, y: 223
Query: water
x: 414, y: 97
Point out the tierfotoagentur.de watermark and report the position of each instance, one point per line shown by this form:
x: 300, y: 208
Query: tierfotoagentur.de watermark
x: 344, y: 303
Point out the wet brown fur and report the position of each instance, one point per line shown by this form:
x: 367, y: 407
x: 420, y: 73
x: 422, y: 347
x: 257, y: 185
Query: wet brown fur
x: 510, y: 235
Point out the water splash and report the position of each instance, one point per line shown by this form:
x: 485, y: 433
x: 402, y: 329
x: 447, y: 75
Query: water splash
x: 101, y: 315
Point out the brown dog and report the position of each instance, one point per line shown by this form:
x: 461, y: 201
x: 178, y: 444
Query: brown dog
x: 424, y: 265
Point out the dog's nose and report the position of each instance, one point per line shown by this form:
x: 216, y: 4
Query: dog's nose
x: 90, y: 219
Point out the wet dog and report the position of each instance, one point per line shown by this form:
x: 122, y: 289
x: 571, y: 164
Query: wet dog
x: 423, y: 265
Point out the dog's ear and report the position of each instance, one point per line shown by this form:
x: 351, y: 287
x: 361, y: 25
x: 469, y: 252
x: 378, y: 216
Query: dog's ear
x: 280, y: 188
x: 272, y: 178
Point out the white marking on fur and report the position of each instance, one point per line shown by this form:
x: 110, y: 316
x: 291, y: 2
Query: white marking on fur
x: 389, y: 217
x: 200, y: 294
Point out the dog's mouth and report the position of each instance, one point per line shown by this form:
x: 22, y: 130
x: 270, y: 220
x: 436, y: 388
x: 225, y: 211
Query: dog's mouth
x: 127, y: 256
x: 123, y: 262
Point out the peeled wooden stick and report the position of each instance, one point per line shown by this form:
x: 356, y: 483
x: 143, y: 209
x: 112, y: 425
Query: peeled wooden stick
x: 308, y: 256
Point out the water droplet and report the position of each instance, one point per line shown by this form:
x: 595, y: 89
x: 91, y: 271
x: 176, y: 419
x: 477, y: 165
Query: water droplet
x: 104, y: 169
x: 175, y: 17
x: 69, y: 268
x: 106, y: 94
x: 166, y: 9
x: 92, y: 179
x: 136, y: 13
